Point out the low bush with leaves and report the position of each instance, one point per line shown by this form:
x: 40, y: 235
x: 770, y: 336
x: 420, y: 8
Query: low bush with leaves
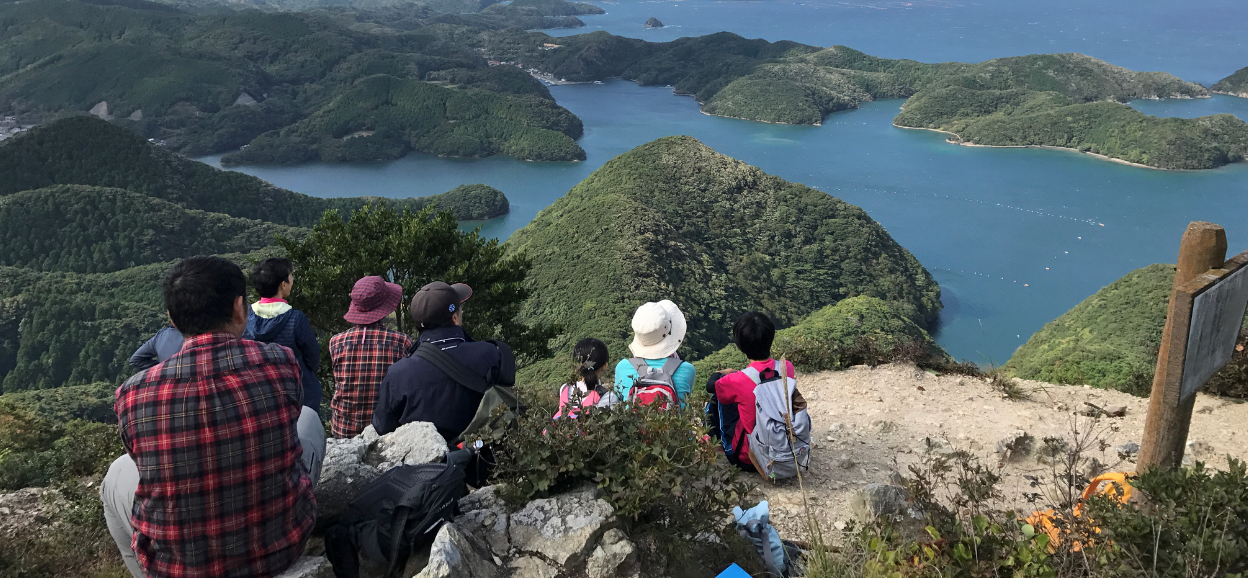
x: 656, y: 467
x: 35, y: 452
x: 1180, y: 523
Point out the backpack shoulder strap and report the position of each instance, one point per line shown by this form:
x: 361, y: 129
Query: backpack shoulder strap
x: 639, y: 365
x: 452, y: 368
x: 670, y: 366
x: 753, y: 374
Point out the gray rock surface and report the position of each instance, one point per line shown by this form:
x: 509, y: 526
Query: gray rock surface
x: 564, y: 528
x: 614, y: 557
x: 343, y: 474
x: 456, y: 555
x: 369, y: 435
x: 413, y: 443
x: 1015, y: 446
x: 485, y: 518
x: 881, y: 500
x: 309, y: 567
x: 532, y: 567
x: 653, y: 23
x: 1128, y: 449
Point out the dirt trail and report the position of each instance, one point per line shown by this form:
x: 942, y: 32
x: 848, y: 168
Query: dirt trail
x: 872, y: 422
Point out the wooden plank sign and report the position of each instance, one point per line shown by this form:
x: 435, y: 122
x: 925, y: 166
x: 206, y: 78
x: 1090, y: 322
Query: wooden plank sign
x: 1217, y: 315
x: 1203, y: 318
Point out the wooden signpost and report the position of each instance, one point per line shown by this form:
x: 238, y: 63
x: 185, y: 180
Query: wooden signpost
x: 1207, y: 305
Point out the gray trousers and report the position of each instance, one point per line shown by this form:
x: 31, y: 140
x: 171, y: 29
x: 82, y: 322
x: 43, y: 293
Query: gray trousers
x: 122, y: 481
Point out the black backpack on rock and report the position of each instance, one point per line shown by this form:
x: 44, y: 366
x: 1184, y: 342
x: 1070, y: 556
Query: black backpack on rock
x: 396, y: 514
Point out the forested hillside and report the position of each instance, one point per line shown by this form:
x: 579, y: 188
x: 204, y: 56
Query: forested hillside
x: 84, y: 150
x: 213, y: 82
x: 98, y: 230
x: 854, y: 331
x: 60, y: 328
x: 1234, y: 85
x: 1111, y: 340
x: 383, y: 117
x: 673, y: 219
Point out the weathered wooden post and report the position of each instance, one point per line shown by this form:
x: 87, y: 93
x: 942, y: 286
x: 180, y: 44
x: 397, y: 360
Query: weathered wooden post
x: 1206, y: 309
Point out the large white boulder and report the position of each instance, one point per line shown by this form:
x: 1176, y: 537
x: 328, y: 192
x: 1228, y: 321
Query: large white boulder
x: 563, y: 528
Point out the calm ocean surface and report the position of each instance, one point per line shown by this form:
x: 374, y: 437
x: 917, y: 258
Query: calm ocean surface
x: 1015, y: 237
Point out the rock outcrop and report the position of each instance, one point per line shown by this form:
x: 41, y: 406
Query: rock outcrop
x: 653, y: 23
x: 571, y: 534
x: 351, y: 463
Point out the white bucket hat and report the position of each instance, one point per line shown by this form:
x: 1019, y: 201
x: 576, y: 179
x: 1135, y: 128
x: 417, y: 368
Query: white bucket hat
x: 658, y: 329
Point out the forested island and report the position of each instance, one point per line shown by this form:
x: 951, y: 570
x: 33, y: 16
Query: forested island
x: 1234, y: 85
x: 1060, y: 100
x: 374, y: 81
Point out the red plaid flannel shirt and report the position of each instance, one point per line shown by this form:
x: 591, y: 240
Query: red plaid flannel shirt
x: 222, y: 489
x: 361, y: 355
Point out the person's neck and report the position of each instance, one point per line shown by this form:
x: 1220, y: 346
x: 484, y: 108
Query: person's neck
x: 760, y: 360
x: 273, y: 299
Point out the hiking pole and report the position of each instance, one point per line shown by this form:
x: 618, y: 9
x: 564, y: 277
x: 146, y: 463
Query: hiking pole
x: 788, y: 423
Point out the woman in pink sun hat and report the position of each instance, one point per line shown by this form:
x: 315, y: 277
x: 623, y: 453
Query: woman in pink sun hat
x: 361, y: 355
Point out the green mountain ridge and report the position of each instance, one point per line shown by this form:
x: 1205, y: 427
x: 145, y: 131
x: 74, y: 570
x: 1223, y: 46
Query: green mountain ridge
x: 1235, y: 85
x: 83, y: 150
x: 213, y: 82
x: 97, y: 230
x: 673, y: 219
x: 1111, y: 339
x: 383, y: 117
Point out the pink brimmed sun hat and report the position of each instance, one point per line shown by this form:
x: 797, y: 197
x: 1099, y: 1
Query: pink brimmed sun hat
x: 658, y: 329
x: 372, y: 298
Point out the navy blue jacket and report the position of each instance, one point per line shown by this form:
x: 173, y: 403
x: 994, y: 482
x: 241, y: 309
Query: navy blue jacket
x: 415, y: 390
x: 160, y: 347
x: 293, y: 330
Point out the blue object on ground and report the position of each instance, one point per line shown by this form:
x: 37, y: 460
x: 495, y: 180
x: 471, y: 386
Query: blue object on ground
x: 733, y: 571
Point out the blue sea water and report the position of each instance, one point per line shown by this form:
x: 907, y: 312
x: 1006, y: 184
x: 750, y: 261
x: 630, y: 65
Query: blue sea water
x: 1015, y: 237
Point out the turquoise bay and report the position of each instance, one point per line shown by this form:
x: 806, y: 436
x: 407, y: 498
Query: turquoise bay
x: 1015, y: 237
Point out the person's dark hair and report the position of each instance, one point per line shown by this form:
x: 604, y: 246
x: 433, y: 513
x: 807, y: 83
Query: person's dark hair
x: 753, y: 333
x: 268, y: 275
x: 200, y: 293
x: 590, y: 355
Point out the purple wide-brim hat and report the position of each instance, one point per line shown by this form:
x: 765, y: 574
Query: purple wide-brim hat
x: 372, y: 299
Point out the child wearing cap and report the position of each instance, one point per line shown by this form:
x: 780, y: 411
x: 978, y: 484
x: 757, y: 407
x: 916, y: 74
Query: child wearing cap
x: 658, y: 330
x: 362, y: 354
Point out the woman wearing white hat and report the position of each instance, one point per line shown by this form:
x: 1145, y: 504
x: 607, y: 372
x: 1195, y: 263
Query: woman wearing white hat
x: 658, y: 330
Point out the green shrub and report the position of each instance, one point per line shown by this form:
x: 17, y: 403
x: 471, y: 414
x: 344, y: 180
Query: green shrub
x: 855, y: 331
x: 655, y: 467
x: 1178, y: 524
x: 1189, y: 522
x: 35, y: 452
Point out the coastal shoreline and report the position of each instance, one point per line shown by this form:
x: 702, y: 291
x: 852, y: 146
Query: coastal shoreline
x: 1241, y: 94
x: 756, y: 120
x: 1047, y: 147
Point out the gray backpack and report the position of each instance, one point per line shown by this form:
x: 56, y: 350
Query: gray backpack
x: 780, y: 442
x: 655, y: 386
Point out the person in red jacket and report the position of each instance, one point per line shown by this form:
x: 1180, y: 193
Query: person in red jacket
x: 731, y: 408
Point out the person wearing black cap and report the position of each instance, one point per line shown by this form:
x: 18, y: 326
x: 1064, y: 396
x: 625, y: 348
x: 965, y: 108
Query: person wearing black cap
x: 414, y: 389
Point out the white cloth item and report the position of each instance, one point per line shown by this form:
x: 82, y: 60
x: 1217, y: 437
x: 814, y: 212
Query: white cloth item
x: 658, y: 330
x: 270, y: 310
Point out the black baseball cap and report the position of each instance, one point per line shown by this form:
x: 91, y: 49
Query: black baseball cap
x: 436, y: 302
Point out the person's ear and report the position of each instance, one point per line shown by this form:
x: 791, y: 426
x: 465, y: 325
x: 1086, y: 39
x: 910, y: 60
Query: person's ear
x: 171, y: 323
x: 458, y: 317
x: 240, y: 310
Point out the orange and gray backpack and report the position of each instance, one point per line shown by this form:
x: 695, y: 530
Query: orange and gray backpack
x: 655, y: 386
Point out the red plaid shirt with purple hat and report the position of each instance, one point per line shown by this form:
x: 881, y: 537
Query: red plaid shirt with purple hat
x: 361, y: 355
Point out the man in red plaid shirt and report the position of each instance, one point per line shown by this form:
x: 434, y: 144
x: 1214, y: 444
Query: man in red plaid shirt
x: 361, y: 355
x: 221, y: 456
